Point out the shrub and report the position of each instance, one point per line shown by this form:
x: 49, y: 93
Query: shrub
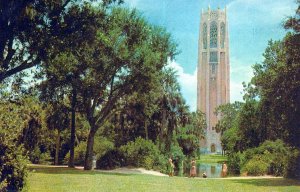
x: 101, y: 146
x: 276, y: 154
x: 13, y: 170
x: 141, y: 153
x: 235, y: 162
x: 36, y: 157
x: 256, y: 166
x: 79, y: 154
x: 110, y: 160
x: 273, y: 154
x: 177, y: 156
x: 292, y: 168
x: 177, y: 153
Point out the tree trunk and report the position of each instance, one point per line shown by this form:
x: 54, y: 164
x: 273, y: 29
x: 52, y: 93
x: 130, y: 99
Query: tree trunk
x: 162, y: 128
x: 89, y: 150
x: 146, y: 129
x: 72, y: 142
x: 169, y: 134
x: 57, y: 147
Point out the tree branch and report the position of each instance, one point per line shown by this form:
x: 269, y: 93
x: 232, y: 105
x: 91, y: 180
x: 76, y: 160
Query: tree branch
x: 10, y: 53
x: 21, y: 67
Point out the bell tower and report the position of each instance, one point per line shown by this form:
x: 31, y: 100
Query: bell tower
x: 213, y: 73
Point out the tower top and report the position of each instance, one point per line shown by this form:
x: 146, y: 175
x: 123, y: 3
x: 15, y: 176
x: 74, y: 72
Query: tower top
x: 214, y: 14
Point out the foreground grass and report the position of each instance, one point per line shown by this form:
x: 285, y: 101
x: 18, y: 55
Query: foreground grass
x: 58, y: 179
x: 212, y: 159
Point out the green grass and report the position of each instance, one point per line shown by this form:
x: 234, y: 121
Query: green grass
x: 212, y: 159
x: 65, y: 179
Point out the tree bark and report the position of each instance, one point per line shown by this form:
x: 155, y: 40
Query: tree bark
x: 72, y: 142
x: 146, y: 129
x: 57, y: 147
x: 162, y: 128
x: 89, y: 150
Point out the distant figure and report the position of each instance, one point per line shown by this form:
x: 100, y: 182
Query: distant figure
x: 193, y: 169
x: 204, y: 175
x: 171, y: 168
x: 224, y: 170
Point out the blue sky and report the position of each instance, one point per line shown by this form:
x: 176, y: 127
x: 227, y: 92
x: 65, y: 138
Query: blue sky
x: 251, y: 24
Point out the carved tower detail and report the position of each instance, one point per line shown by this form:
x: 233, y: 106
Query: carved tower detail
x: 213, y: 73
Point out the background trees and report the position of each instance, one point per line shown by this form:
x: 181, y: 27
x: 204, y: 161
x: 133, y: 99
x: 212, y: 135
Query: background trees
x: 270, y: 111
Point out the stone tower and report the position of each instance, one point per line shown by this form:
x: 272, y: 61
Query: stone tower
x: 213, y: 73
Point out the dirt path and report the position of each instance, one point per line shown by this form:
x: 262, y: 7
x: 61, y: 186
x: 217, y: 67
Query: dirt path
x: 125, y: 170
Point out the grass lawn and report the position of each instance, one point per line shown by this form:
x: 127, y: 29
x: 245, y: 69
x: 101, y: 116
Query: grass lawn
x: 58, y: 179
x: 212, y: 159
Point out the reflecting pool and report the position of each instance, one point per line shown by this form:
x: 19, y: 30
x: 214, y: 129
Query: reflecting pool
x: 212, y: 170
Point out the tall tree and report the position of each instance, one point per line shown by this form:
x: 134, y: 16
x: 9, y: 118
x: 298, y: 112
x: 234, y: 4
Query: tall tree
x: 57, y: 119
x: 191, y: 132
x: 128, y: 56
x: 228, y: 113
x: 25, y: 30
x: 67, y: 59
x: 171, y: 104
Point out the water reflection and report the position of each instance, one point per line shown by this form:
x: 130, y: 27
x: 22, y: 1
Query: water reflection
x: 212, y: 170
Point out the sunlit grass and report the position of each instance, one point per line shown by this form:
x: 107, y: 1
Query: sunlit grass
x: 214, y: 158
x: 65, y: 179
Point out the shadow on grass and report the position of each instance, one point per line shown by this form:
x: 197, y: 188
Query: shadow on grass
x: 269, y: 182
x: 67, y: 170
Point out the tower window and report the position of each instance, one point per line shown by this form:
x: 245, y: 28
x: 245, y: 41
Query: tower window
x: 213, y: 35
x: 204, y: 36
x: 213, y: 68
x: 222, y: 31
x: 213, y: 57
x: 213, y: 61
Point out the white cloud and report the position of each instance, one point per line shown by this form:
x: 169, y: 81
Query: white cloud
x: 188, y: 84
x: 236, y: 90
x: 239, y: 72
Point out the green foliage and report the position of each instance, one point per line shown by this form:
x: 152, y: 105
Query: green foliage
x: 293, y: 165
x: 13, y: 166
x: 111, y: 159
x: 101, y: 146
x: 271, y: 157
x: 256, y: 166
x: 79, y: 154
x: 234, y: 162
x: 194, y: 123
x: 37, y: 157
x: 271, y: 111
x: 188, y: 142
x: 247, y: 123
x: 127, y: 55
x: 141, y: 153
x: 230, y: 140
x: 177, y: 155
x: 276, y: 82
x: 229, y: 113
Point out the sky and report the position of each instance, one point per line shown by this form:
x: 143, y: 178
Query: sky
x: 252, y: 23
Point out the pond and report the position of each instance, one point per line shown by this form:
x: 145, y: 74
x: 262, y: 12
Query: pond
x: 212, y: 170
